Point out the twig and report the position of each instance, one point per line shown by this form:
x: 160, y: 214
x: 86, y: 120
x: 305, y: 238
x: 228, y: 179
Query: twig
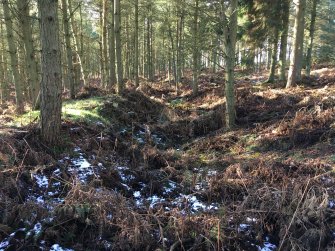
x: 294, y: 215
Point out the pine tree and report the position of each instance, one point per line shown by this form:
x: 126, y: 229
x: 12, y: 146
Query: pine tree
x: 51, y: 87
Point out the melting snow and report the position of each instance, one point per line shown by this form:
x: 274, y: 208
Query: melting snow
x: 3, y: 245
x: 137, y: 194
x: 81, y: 167
x: 38, y: 228
x: 170, y: 188
x: 267, y: 246
x: 57, y: 247
x: 197, y: 205
x: 41, y: 180
x: 243, y: 227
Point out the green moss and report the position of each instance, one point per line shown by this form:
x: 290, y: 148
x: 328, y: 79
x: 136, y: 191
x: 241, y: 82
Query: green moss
x: 85, y: 110
x: 332, y: 159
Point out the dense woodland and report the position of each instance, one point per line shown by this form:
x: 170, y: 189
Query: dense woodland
x: 167, y: 125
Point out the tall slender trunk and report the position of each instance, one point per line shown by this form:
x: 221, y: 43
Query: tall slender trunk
x: 180, y: 46
x: 51, y: 92
x: 311, y: 39
x: 3, y: 68
x: 13, y: 57
x: 127, y: 51
x: 216, y: 43
x: 137, y: 81
x: 274, y: 55
x: 111, y: 32
x: 75, y: 44
x: 69, y: 53
x: 152, y: 52
x: 283, y: 39
x: 104, y: 59
x: 174, y: 65
x: 30, y: 58
x: 269, y: 55
x: 118, y: 46
x: 294, y: 74
x: 149, y: 52
x: 301, y: 45
x: 195, y: 48
x: 230, y: 33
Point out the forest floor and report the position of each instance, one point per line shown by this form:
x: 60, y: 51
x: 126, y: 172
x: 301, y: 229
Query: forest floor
x: 157, y: 170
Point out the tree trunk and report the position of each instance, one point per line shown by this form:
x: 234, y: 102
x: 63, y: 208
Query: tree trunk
x: 112, y: 74
x: 298, y: 38
x: 271, y: 78
x: 118, y: 46
x: 311, y: 39
x: 174, y: 64
x: 137, y: 81
x: 75, y: 44
x: 283, y: 39
x: 69, y: 54
x: 269, y: 55
x: 3, y: 68
x: 104, y: 47
x: 152, y: 54
x: 30, y: 58
x: 195, y: 49
x: 230, y: 32
x: 127, y: 64
x: 51, y: 92
x: 180, y: 46
x: 13, y: 57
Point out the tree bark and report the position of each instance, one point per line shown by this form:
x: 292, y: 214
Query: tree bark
x: 230, y: 32
x: 180, y: 28
x: 69, y: 53
x: 75, y: 44
x: 195, y: 48
x: 3, y: 68
x: 112, y: 74
x: 51, y: 92
x: 283, y: 39
x: 30, y: 58
x: 294, y: 74
x: 311, y: 39
x: 118, y: 46
x: 271, y: 78
x: 13, y: 57
x: 137, y: 81
x: 104, y: 66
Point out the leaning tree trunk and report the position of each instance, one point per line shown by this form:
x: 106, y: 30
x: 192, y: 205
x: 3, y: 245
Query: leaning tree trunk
x: 298, y: 38
x: 311, y: 39
x: 118, y: 46
x: 13, y: 57
x: 51, y: 91
x: 30, y: 58
x: 69, y: 53
x: 230, y: 31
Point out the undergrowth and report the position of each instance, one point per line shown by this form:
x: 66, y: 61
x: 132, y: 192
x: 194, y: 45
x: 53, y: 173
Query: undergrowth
x: 271, y: 179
